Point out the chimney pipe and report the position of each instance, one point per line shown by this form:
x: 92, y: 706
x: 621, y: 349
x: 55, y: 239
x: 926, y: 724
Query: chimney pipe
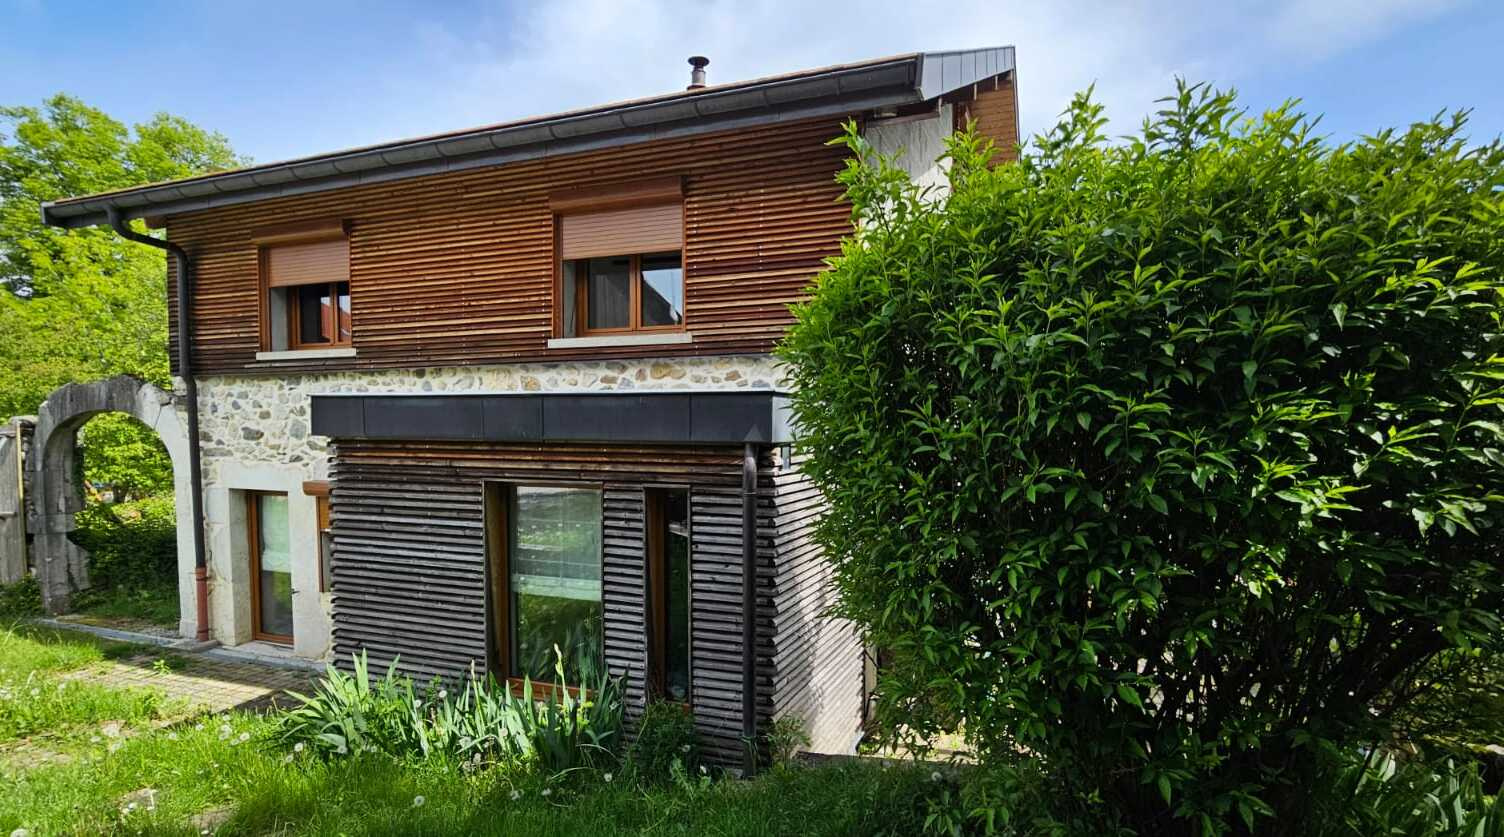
x: 697, y: 75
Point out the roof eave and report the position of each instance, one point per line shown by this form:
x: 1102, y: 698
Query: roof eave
x: 899, y: 81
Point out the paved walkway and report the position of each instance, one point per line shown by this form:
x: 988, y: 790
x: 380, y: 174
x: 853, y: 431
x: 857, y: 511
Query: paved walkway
x: 207, y: 685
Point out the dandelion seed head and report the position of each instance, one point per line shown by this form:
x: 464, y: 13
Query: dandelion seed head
x: 607, y: 777
x: 298, y: 747
x: 418, y: 801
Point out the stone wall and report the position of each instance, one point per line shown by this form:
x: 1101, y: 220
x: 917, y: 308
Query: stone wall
x: 254, y: 432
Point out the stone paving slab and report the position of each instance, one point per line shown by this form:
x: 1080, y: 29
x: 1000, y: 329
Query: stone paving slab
x: 208, y: 685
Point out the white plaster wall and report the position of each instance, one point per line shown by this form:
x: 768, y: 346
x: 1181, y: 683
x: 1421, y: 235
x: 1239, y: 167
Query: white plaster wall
x: 918, y: 144
x: 254, y: 436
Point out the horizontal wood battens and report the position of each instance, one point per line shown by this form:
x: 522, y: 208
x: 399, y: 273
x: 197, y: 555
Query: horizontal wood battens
x: 654, y: 190
x: 459, y: 268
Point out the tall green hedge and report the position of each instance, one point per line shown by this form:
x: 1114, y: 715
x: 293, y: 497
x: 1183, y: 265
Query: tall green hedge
x: 1170, y: 461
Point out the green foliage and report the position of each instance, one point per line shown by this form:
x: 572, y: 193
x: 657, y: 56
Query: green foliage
x: 130, y: 545
x: 21, y: 600
x: 482, y: 723
x: 1167, y: 460
x: 78, y: 305
x: 1385, y: 795
x: 665, y: 737
x: 126, y: 456
x: 786, y: 738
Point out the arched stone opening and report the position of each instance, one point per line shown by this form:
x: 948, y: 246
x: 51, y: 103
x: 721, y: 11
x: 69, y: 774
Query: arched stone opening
x: 62, y: 566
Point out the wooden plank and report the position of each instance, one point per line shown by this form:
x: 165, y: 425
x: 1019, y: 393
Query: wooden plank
x: 459, y: 268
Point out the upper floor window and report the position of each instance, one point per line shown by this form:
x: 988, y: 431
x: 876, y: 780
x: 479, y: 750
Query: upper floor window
x: 305, y: 280
x: 621, y: 263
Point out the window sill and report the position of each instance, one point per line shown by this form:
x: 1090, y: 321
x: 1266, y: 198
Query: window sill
x: 606, y: 341
x: 306, y: 354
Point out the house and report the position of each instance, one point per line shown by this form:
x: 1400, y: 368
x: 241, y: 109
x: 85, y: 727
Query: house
x: 463, y: 399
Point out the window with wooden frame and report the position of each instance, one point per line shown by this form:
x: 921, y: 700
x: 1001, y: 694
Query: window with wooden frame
x: 621, y: 259
x: 544, y: 565
x: 319, y: 491
x: 666, y: 538
x: 305, y: 286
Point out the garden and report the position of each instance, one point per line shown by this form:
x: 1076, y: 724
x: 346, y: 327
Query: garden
x: 371, y: 753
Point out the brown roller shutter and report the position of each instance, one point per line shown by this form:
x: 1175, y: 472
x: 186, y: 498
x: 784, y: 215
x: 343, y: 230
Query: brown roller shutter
x: 308, y: 262
x: 621, y: 232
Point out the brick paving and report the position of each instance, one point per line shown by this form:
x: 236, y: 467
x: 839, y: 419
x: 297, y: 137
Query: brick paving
x: 207, y: 685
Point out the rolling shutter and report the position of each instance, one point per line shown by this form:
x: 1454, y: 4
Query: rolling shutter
x: 308, y: 262
x: 656, y: 228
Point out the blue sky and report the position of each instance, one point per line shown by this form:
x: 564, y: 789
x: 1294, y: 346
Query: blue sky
x: 289, y: 79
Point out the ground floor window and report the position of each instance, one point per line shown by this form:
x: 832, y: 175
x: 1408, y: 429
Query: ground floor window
x: 552, y: 571
x: 667, y: 525
x: 271, y: 566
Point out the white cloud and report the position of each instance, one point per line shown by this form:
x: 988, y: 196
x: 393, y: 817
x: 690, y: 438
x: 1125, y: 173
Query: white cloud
x: 573, y: 53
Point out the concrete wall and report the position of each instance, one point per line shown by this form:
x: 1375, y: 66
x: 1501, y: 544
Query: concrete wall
x: 254, y: 432
x: 918, y: 142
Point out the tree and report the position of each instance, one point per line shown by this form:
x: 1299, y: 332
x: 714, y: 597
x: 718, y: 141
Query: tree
x: 1172, y: 462
x: 83, y: 304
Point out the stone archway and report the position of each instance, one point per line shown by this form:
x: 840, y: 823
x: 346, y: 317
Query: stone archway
x: 61, y: 566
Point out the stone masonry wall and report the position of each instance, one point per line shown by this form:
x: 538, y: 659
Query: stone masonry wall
x: 266, y: 419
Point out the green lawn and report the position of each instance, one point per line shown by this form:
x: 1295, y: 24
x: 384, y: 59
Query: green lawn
x: 222, y: 768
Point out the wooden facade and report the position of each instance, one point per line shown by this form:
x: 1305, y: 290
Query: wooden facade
x: 410, y: 569
x: 459, y: 268
x: 995, y: 111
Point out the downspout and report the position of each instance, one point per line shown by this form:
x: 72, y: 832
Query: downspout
x: 190, y: 393
x: 749, y: 608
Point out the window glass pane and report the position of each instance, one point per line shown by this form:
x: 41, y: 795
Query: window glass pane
x: 662, y: 290
x: 313, y: 302
x: 342, y: 289
x: 676, y: 600
x: 554, y: 570
x: 274, y: 565
x: 608, y: 293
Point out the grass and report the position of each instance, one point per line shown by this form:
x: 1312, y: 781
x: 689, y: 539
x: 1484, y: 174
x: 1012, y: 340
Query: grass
x: 156, y: 605
x: 229, y: 765
x: 45, y: 716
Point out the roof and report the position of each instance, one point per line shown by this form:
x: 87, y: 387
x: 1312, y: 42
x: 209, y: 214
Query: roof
x: 826, y: 91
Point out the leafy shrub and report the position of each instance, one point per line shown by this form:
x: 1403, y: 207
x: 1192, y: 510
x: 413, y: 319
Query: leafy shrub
x: 131, y: 545
x: 21, y: 600
x: 785, y: 738
x: 665, y: 737
x: 481, y: 723
x: 1166, y: 460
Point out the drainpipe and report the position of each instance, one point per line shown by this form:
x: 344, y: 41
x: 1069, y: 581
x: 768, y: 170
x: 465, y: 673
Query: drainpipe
x: 190, y: 392
x: 749, y: 607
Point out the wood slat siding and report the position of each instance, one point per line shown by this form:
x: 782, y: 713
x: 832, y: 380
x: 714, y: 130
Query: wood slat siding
x: 458, y: 268
x: 996, y: 114
x: 409, y: 559
x: 623, y: 593
x: 814, y: 662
